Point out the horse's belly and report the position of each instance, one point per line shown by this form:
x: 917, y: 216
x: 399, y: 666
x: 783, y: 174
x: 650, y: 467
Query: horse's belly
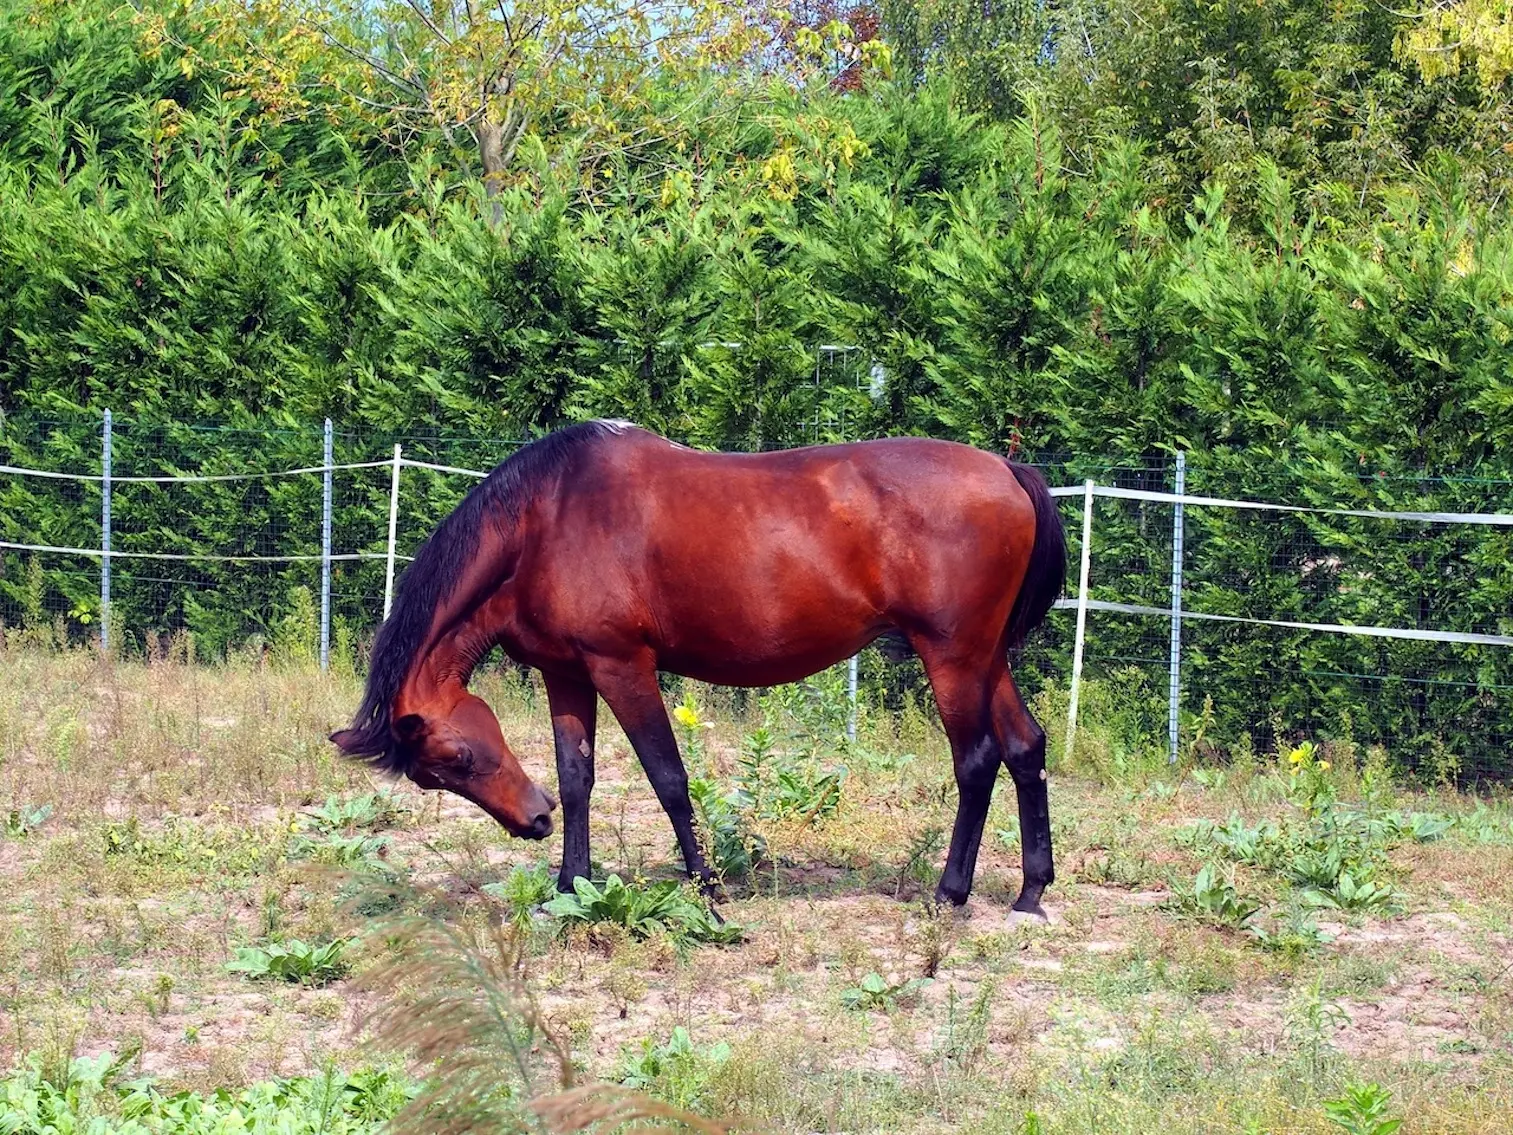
x: 785, y: 629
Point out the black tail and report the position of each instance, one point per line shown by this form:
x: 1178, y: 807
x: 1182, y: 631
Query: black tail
x: 1046, y: 574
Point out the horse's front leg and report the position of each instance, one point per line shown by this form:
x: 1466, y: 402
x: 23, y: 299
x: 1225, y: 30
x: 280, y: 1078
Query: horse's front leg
x: 629, y: 688
x: 573, y: 707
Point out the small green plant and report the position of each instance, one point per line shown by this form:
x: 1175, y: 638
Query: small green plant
x: 1349, y: 894
x: 1214, y: 898
x: 293, y: 961
x: 774, y: 790
x: 1294, y: 935
x: 732, y: 847
x: 1425, y: 827
x: 1210, y: 779
x: 364, y: 853
x: 122, y: 837
x: 370, y: 811
x: 677, y: 1071
x: 1484, y: 825
x: 1311, y: 1021
x: 523, y: 890
x: 21, y: 822
x: 966, y: 1038
x: 875, y: 992
x: 1259, y: 846
x: 919, y: 863
x: 644, y: 910
x: 1162, y: 790
x: 1362, y: 1110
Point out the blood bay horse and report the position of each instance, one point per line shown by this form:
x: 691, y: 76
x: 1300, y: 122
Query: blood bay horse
x: 602, y: 554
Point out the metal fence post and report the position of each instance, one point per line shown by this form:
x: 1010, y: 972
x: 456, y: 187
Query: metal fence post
x: 105, y: 536
x: 1087, y: 542
x: 325, y: 555
x: 1174, y: 684
x: 851, y: 693
x: 393, y: 532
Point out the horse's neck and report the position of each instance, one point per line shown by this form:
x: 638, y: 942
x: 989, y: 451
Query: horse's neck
x: 464, y: 632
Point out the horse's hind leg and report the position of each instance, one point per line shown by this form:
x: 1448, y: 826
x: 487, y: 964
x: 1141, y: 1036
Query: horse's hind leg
x: 963, y: 694
x: 1024, y: 755
x: 630, y: 690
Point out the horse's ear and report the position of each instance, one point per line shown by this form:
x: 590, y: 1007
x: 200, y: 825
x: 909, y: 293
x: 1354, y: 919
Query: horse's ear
x: 409, y: 728
x: 344, y: 739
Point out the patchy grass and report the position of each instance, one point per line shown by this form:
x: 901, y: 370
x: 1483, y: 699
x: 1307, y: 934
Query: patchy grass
x: 163, y: 820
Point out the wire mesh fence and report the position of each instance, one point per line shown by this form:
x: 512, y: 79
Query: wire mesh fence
x: 1361, y: 628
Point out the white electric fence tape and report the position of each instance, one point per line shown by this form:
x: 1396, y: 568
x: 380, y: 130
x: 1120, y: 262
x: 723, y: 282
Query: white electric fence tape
x: 189, y: 478
x: 1500, y: 519
x: 1335, y: 628
x: 117, y: 555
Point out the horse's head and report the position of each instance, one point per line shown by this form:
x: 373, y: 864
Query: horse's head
x: 462, y: 750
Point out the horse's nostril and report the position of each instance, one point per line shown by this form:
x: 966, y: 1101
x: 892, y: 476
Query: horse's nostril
x: 541, y: 826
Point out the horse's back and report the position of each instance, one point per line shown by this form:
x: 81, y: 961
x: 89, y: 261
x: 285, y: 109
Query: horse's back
x: 753, y: 568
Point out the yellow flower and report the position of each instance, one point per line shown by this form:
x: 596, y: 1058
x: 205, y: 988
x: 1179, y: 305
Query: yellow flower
x: 686, y: 717
x: 1296, y: 756
x: 1323, y: 764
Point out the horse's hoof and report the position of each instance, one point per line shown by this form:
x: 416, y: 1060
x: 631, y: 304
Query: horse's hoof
x: 1032, y: 914
x: 946, y: 895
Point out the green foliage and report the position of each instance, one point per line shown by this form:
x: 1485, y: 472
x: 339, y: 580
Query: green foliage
x: 523, y: 890
x: 93, y: 1096
x: 293, y: 961
x: 876, y: 993
x: 732, y: 847
x: 775, y: 786
x: 1214, y: 898
x: 1485, y: 825
x: 1333, y: 853
x: 23, y: 821
x: 1311, y: 1021
x: 1295, y: 934
x: 1362, y: 1110
x: 644, y: 909
x: 1348, y: 894
x: 365, y: 853
x: 677, y: 1071
x: 368, y: 811
x: 182, y: 844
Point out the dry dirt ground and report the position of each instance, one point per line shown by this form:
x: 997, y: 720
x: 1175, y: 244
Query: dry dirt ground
x: 179, y: 795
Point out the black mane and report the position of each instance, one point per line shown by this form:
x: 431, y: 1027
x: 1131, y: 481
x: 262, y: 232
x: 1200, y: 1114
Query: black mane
x: 498, y: 499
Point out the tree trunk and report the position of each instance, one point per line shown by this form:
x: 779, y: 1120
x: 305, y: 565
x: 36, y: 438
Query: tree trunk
x: 496, y: 148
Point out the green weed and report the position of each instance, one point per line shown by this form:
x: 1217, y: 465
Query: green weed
x: 23, y: 821
x: 732, y: 847
x: 369, y: 811
x: 1213, y: 898
x: 1349, y: 894
x: 523, y: 890
x: 92, y: 1088
x: 677, y: 1071
x: 644, y: 910
x: 1362, y: 1110
x: 1295, y: 934
x: 774, y: 788
x: 875, y: 992
x: 293, y: 961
